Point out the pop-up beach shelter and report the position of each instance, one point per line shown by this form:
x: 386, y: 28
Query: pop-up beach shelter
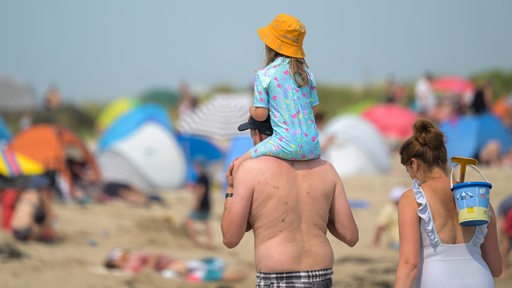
x: 50, y: 145
x: 238, y: 146
x: 358, y: 147
x: 139, y: 148
x: 467, y: 134
x: 114, y: 110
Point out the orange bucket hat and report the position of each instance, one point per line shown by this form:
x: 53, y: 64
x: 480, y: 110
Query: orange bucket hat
x: 285, y: 35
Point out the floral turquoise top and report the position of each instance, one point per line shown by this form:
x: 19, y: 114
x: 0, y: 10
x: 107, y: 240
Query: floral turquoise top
x: 295, y: 133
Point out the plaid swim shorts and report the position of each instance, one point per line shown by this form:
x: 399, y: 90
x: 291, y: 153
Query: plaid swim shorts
x: 307, y: 279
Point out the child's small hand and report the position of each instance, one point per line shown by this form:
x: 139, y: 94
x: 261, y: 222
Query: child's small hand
x: 229, y: 174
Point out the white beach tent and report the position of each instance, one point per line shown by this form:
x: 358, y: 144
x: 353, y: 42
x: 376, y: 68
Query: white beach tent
x: 149, y: 158
x: 358, y: 148
x: 140, y: 149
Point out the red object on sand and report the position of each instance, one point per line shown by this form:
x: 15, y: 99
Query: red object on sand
x: 8, y: 204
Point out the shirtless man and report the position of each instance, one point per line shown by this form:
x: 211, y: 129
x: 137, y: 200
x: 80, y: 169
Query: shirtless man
x: 290, y: 206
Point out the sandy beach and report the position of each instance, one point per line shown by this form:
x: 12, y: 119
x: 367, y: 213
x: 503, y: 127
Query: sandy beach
x: 89, y: 232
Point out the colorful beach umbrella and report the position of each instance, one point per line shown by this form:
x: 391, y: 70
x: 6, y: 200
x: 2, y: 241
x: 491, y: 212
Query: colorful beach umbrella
x: 453, y: 85
x: 198, y: 149
x: 392, y: 120
x: 15, y: 164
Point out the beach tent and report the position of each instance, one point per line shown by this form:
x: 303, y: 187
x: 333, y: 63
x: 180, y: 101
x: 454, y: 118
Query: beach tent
x: 491, y: 128
x: 114, y: 110
x: 13, y: 164
x: 198, y: 148
x: 219, y: 117
x: 467, y: 134
x: 51, y: 145
x: 238, y: 146
x: 148, y: 158
x: 140, y: 149
x: 358, y: 148
x: 461, y: 136
x: 126, y: 123
x: 392, y: 120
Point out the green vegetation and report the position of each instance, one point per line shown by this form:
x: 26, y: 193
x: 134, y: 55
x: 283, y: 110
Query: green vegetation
x: 333, y: 101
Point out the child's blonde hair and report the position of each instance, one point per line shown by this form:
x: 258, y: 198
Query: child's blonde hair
x: 298, y: 66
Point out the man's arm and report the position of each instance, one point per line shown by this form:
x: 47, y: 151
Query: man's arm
x: 235, y: 217
x: 341, y: 221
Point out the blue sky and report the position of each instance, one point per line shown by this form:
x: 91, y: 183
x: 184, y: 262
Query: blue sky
x: 101, y: 50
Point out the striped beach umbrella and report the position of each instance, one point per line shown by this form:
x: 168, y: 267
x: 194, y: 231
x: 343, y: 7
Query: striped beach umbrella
x: 218, y: 118
x: 15, y: 164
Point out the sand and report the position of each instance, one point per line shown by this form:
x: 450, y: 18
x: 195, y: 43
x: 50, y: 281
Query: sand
x: 89, y: 232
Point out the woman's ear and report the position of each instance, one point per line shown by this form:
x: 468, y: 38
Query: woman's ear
x: 414, y: 164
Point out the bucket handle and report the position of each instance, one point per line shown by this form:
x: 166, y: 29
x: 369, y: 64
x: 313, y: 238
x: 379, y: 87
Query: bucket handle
x: 463, y: 161
x: 472, y: 166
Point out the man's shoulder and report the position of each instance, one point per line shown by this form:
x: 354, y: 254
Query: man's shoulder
x: 270, y: 161
x: 266, y: 161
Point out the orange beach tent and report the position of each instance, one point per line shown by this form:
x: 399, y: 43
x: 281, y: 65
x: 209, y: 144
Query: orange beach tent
x: 50, y: 145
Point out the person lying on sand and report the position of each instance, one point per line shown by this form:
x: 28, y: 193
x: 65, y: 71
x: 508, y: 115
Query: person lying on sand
x: 193, y: 270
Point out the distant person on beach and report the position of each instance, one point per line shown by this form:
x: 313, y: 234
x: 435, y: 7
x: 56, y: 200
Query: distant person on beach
x: 193, y: 270
x: 290, y: 205
x: 505, y: 231
x: 395, y: 92
x: 285, y: 89
x: 435, y: 250
x: 482, y: 99
x: 84, y: 182
x: 118, y: 190
x: 424, y: 96
x: 201, y: 209
x: 387, y: 220
x: 187, y: 105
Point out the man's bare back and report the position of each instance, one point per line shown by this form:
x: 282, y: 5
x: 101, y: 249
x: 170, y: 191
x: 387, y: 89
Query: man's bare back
x: 290, y: 206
